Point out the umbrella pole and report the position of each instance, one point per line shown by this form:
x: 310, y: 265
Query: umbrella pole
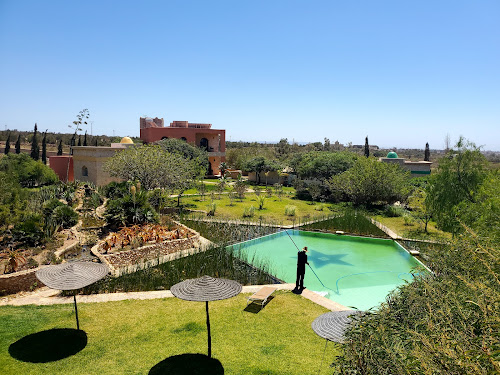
x: 208, y: 330
x: 76, y: 313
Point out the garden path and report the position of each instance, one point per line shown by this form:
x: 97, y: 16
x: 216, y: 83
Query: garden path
x: 47, y: 296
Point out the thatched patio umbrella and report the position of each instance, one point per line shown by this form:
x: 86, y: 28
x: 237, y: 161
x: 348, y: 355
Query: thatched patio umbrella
x: 206, y: 289
x: 72, y: 276
x: 332, y: 325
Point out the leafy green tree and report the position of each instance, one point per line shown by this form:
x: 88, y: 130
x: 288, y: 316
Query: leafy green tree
x: 28, y: 172
x: 154, y: 168
x: 483, y: 215
x: 240, y: 188
x: 197, y: 155
x: 18, y: 144
x: 283, y: 149
x: 419, y: 206
x: 460, y: 175
x: 371, y: 182
x: 260, y: 164
x: 7, y: 145
x: 326, y: 145
x: 35, y: 149
x: 321, y: 164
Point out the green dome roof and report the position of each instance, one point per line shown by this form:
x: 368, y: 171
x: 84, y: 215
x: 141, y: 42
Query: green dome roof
x: 392, y: 155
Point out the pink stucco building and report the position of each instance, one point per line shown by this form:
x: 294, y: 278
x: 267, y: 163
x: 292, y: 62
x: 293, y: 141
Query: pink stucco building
x: 201, y: 135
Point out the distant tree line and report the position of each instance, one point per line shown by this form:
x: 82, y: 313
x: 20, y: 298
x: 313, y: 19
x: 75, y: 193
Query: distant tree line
x: 26, y: 137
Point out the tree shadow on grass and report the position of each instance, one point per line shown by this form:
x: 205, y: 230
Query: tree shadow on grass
x: 256, y: 307
x: 188, y: 364
x: 48, y: 346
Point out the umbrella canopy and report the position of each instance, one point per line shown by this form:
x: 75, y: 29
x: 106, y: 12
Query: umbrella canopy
x: 71, y: 276
x: 332, y: 325
x: 206, y: 289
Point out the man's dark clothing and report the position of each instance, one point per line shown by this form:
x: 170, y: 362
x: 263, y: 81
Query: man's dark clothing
x: 301, y: 269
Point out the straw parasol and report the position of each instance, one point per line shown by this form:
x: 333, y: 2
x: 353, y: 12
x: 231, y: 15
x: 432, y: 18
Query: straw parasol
x: 205, y: 289
x: 72, y: 276
x: 332, y: 325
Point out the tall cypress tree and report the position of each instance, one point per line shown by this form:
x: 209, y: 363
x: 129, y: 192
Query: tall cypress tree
x: 427, y: 154
x: 85, y: 139
x: 44, y: 148
x: 79, y: 140
x: 367, y: 147
x: 35, y: 149
x: 7, y: 145
x: 59, y: 148
x: 96, y: 141
x: 18, y: 144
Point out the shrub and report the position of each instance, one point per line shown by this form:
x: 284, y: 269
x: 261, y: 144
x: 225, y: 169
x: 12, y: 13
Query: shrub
x: 290, y: 210
x: 249, y: 211
x: 211, y: 209
x: 65, y: 216
x: 28, y: 231
x: 261, y: 199
x: 131, y: 209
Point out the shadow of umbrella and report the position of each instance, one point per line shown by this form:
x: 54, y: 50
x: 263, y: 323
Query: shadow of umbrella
x: 188, y: 364
x: 72, y: 276
x: 206, y: 289
x: 48, y: 346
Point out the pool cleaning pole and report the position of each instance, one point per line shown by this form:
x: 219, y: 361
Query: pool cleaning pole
x: 321, y: 282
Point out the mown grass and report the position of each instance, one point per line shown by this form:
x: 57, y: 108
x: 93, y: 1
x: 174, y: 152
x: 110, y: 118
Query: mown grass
x: 414, y: 231
x: 350, y: 221
x: 274, y: 208
x: 131, y: 337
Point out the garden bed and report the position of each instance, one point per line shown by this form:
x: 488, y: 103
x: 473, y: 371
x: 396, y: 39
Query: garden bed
x: 162, y: 244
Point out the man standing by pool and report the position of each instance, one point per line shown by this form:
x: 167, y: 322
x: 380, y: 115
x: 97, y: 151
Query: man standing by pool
x: 301, y: 268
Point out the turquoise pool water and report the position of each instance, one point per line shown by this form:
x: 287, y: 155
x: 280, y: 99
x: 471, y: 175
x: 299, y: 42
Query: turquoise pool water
x: 354, y: 271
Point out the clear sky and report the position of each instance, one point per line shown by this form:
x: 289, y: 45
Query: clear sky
x: 402, y: 72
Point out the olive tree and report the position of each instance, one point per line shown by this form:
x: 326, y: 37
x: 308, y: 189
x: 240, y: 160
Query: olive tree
x: 371, y: 182
x: 153, y: 167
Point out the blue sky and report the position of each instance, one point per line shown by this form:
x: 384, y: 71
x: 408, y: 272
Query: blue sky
x: 403, y: 73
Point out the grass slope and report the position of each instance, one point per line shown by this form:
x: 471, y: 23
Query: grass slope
x: 274, y: 209
x: 131, y: 337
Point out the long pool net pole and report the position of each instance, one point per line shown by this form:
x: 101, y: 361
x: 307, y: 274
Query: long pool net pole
x: 324, y: 286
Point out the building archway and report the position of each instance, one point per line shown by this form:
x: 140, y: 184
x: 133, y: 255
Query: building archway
x: 204, y: 144
x: 85, y: 171
x: 162, y: 138
x: 183, y: 139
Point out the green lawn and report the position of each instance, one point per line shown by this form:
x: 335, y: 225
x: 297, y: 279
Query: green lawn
x: 131, y: 337
x: 416, y: 230
x: 274, y: 209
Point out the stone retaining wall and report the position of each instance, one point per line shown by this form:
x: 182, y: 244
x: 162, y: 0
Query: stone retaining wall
x: 129, y: 261
x: 21, y: 281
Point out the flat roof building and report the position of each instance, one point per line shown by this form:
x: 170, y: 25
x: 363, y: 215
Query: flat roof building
x: 196, y: 134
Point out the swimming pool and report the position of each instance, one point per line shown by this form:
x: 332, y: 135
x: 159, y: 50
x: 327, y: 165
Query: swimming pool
x: 354, y: 271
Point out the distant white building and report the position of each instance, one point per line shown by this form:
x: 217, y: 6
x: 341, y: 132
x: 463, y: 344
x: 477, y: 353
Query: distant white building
x: 417, y: 168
